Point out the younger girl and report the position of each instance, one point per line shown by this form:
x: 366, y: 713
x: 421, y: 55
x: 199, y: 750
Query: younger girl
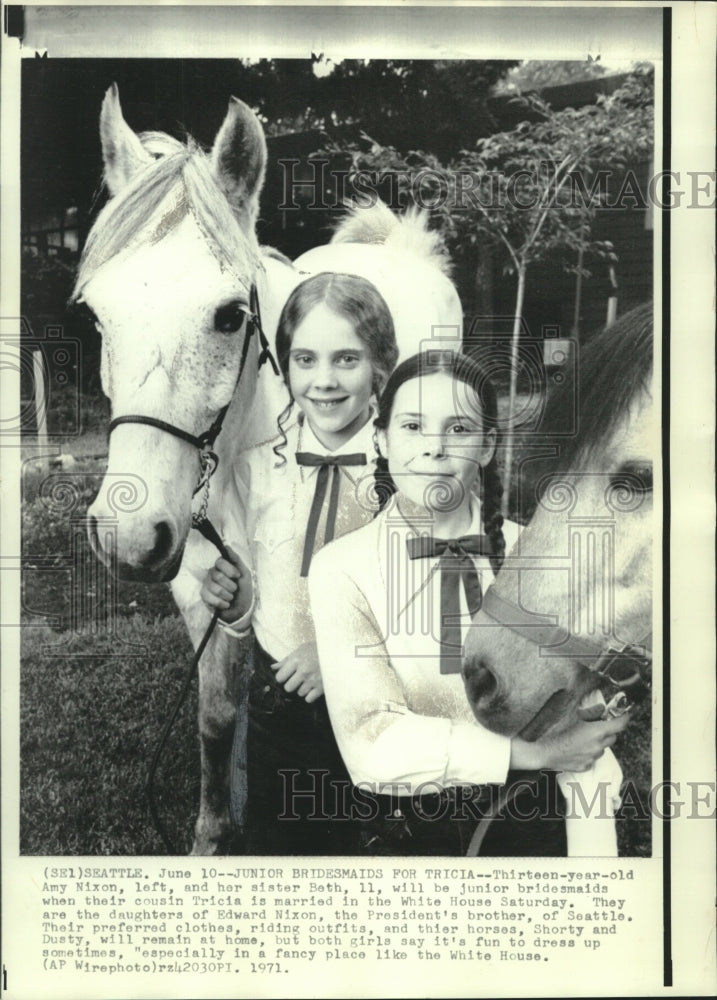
x: 392, y: 602
x: 336, y: 347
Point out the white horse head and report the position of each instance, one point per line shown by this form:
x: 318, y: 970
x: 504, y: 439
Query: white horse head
x: 579, y: 580
x: 167, y: 271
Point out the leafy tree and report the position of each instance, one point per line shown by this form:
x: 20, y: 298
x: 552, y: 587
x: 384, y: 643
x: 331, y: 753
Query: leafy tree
x: 437, y: 105
x: 529, y: 201
x: 434, y: 105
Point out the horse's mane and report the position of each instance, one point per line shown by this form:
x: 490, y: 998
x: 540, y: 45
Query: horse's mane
x: 132, y: 213
x: 410, y: 232
x: 614, y: 369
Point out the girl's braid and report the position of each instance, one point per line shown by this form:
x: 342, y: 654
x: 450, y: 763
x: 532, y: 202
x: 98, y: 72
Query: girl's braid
x: 492, y: 517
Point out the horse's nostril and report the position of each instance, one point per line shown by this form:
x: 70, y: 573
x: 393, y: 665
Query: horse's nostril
x: 481, y: 683
x: 164, y: 539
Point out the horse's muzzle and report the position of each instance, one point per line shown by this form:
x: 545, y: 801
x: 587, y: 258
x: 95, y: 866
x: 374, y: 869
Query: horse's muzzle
x: 157, y: 563
x: 486, y: 695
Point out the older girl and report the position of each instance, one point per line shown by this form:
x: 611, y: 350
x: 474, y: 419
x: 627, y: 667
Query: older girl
x: 336, y: 347
x: 391, y: 603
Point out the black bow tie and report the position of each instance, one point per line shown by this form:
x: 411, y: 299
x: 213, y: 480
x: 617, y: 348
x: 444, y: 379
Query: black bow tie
x: 323, y: 463
x: 455, y: 555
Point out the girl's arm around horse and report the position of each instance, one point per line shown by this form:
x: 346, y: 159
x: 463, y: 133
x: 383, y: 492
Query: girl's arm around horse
x: 395, y: 717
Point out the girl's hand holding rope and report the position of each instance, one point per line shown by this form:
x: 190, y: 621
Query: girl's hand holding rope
x: 228, y: 587
x: 576, y: 749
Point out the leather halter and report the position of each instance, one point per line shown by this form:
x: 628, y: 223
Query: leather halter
x: 205, y: 442
x: 626, y: 667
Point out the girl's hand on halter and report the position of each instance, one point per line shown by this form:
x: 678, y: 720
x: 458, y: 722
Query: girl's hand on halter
x: 299, y: 671
x: 228, y: 588
x: 576, y: 749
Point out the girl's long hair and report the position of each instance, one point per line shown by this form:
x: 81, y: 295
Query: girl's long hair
x: 358, y: 301
x: 469, y: 371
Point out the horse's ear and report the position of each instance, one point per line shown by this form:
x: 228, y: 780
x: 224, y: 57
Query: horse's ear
x: 122, y: 152
x: 239, y: 158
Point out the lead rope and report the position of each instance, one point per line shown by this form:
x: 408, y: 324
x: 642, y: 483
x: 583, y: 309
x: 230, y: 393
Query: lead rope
x: 207, y: 529
x: 204, y: 526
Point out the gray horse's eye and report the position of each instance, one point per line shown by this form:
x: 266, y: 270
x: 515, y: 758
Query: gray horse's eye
x: 230, y: 317
x: 637, y: 476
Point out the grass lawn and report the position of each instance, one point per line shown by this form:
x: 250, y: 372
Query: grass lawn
x: 93, y: 705
x: 90, y: 718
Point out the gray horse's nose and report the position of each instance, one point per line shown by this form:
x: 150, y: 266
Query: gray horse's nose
x: 480, y: 683
x: 159, y: 544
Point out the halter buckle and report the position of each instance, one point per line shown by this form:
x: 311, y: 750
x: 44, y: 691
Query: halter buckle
x: 208, y: 462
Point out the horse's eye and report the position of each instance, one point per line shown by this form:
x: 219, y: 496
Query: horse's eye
x: 230, y: 317
x: 636, y: 476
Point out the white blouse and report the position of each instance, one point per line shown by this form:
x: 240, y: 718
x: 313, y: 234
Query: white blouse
x: 270, y: 512
x: 398, y: 721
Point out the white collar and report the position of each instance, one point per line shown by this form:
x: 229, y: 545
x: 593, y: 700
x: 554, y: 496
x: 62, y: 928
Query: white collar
x: 361, y: 441
x: 422, y: 571
x: 413, y: 529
